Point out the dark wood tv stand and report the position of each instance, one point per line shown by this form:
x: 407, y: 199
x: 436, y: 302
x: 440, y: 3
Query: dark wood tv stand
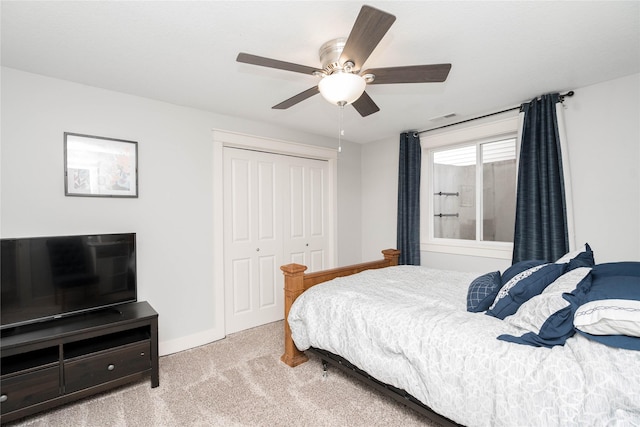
x: 55, y: 362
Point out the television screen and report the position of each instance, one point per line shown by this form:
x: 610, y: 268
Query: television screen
x: 49, y: 277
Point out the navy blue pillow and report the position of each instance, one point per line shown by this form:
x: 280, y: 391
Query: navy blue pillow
x: 624, y: 268
x: 518, y: 268
x: 583, y: 259
x: 482, y: 291
x: 524, y: 286
x: 614, y: 286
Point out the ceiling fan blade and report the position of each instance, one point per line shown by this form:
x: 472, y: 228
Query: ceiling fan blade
x: 411, y: 74
x: 370, y: 26
x: 365, y: 105
x: 297, y: 98
x: 274, y: 63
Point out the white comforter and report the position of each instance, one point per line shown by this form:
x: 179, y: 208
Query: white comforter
x: 408, y: 326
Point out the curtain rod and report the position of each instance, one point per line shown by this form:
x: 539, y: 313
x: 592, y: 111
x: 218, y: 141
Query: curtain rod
x: 562, y: 96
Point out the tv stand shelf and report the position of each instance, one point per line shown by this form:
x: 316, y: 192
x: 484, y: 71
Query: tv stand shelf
x: 59, y: 361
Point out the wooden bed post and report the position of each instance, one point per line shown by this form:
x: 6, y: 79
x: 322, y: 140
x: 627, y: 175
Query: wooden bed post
x: 392, y: 255
x: 293, y: 287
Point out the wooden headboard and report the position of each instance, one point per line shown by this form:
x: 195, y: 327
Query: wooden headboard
x: 296, y: 282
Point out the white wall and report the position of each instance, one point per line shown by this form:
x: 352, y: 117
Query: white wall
x: 173, y: 215
x: 349, y: 206
x: 603, y: 132
x: 379, y: 197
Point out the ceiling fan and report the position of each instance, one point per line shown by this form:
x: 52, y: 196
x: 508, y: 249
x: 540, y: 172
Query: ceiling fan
x: 342, y: 81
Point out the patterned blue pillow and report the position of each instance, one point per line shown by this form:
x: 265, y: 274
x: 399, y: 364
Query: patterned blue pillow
x: 518, y: 268
x: 482, y: 291
x: 522, y: 287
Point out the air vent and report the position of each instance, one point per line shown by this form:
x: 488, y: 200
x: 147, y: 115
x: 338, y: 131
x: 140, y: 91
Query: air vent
x: 438, y: 118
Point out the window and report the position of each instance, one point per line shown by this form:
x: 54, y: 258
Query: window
x: 469, y: 192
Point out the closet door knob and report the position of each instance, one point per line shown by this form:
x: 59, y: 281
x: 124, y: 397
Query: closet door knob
x: 4, y: 398
x: 111, y: 367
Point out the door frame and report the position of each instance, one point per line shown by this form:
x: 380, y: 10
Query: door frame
x: 223, y: 138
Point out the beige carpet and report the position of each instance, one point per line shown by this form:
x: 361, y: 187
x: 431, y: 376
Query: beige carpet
x: 238, y: 381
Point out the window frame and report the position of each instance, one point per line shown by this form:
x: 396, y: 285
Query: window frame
x: 504, y: 127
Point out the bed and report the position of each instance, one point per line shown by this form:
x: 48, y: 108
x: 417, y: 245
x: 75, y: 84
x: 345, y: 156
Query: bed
x: 408, y: 331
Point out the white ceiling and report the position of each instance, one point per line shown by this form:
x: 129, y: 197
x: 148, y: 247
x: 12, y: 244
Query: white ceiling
x: 503, y: 53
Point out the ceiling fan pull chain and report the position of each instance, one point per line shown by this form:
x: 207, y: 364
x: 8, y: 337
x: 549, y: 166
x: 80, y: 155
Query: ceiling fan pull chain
x: 340, y: 130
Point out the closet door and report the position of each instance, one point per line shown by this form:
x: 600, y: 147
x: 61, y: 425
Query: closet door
x: 306, y: 239
x: 275, y: 212
x: 253, y: 242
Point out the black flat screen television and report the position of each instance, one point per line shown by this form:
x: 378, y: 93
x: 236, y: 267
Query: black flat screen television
x: 44, y: 278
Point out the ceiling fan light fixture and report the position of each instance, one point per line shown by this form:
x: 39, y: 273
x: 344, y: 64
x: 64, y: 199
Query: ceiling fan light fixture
x: 341, y: 88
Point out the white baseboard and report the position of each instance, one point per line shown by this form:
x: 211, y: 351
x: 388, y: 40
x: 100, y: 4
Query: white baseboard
x: 190, y: 341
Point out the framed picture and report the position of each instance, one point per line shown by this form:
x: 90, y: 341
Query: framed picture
x: 95, y: 166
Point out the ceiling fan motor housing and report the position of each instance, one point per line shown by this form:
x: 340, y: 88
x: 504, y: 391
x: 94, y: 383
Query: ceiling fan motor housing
x: 330, y: 54
x: 330, y: 59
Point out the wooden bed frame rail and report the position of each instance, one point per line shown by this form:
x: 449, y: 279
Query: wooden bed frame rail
x: 296, y: 282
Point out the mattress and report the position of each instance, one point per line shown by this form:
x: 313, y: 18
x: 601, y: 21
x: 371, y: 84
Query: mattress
x: 408, y: 326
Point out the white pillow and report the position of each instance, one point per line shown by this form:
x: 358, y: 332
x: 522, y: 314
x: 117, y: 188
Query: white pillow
x: 571, y: 255
x: 609, y: 317
x: 533, y: 313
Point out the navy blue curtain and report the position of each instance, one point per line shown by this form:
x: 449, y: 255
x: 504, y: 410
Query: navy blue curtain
x: 409, y: 199
x: 541, y: 217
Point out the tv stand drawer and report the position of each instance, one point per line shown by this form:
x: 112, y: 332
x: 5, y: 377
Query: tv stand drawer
x: 87, y: 371
x: 21, y: 390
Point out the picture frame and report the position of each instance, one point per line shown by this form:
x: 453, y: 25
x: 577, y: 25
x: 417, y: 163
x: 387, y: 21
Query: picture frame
x: 97, y: 166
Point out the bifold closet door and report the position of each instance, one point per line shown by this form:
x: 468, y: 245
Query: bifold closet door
x: 306, y: 239
x: 275, y: 212
x: 253, y: 239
